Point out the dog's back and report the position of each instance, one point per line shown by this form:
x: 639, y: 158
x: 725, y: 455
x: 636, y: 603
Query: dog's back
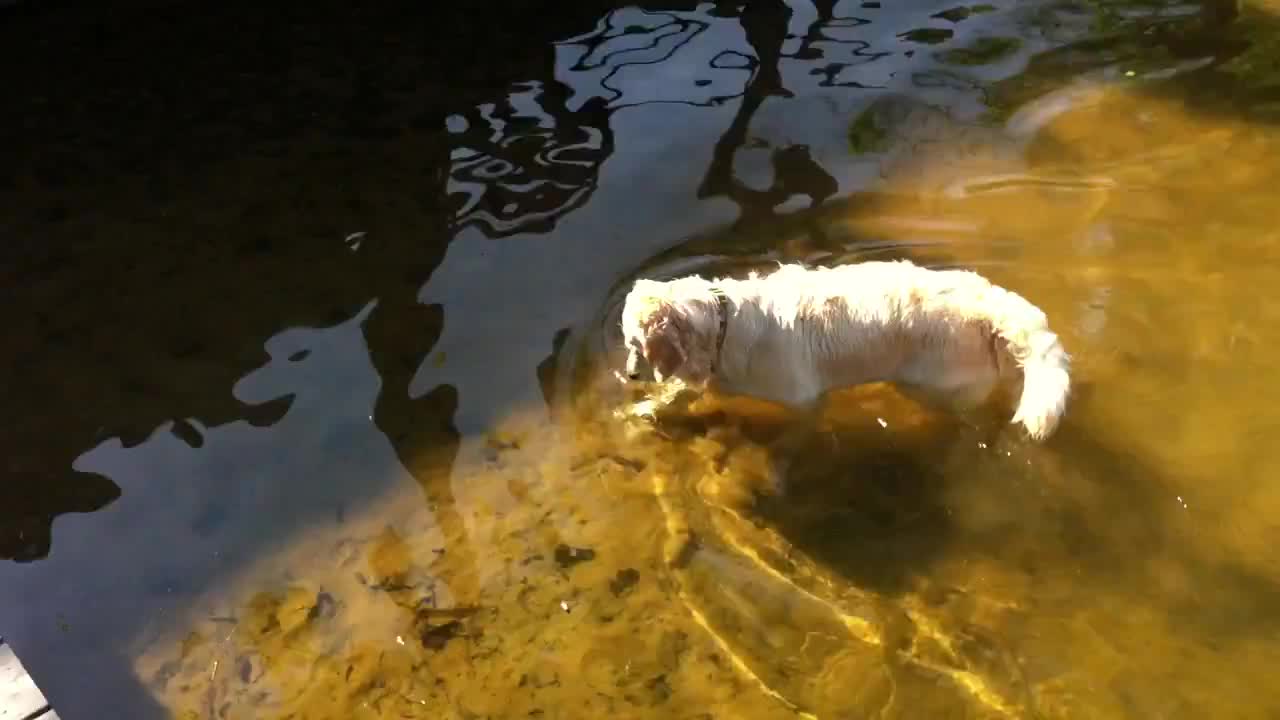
x: 896, y: 321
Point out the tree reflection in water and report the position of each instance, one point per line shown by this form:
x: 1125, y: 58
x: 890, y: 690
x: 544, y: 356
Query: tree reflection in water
x: 519, y: 165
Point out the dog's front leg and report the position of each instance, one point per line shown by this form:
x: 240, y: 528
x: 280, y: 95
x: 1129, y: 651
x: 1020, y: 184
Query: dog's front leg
x: 794, y: 439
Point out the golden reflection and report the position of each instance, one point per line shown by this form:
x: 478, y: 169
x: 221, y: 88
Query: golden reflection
x: 601, y: 567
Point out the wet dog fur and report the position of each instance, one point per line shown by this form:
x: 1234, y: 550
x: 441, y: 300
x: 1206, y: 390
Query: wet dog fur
x: 946, y: 337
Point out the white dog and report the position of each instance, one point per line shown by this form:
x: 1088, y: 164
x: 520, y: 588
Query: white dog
x: 790, y: 336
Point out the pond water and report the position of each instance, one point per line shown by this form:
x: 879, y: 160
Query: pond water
x: 310, y: 403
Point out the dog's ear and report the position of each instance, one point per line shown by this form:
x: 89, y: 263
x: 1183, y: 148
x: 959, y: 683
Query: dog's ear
x: 664, y: 349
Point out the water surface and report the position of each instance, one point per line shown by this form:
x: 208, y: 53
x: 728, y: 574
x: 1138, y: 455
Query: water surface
x: 312, y: 413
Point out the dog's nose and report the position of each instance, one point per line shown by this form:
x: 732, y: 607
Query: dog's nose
x: 633, y: 375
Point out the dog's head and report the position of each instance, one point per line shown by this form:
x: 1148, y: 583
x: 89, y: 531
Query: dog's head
x: 668, y: 329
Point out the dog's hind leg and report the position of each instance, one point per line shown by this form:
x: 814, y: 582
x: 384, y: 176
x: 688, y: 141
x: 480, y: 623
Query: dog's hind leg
x: 964, y: 402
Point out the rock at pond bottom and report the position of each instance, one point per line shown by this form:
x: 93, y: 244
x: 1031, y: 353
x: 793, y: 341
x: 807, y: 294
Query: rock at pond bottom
x: 567, y: 556
x: 624, y: 581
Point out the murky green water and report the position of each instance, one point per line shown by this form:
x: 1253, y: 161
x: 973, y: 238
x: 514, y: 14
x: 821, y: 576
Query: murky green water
x: 310, y: 409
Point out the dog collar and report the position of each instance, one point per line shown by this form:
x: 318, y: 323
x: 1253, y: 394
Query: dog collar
x: 722, y: 309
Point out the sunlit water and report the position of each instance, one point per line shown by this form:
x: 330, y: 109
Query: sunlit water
x: 522, y: 549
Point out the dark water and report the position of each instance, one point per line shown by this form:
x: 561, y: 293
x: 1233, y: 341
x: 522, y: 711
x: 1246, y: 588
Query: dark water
x: 306, y: 309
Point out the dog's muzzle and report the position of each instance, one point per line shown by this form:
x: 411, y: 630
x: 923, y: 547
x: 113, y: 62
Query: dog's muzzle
x: 634, y: 371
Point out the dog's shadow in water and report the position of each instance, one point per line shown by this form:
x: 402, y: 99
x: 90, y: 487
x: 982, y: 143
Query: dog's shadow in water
x: 865, y: 500
x: 867, y: 508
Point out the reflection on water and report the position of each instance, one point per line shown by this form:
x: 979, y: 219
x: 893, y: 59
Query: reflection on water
x: 521, y: 178
x: 420, y: 502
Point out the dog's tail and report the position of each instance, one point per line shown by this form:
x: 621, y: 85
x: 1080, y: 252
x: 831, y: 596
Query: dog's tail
x: 1046, y: 379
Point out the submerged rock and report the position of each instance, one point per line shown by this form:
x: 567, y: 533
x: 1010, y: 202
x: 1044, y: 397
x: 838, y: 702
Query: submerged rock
x: 624, y: 581
x: 567, y: 556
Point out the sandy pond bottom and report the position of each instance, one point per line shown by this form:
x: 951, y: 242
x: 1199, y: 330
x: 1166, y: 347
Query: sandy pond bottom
x: 608, y: 568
